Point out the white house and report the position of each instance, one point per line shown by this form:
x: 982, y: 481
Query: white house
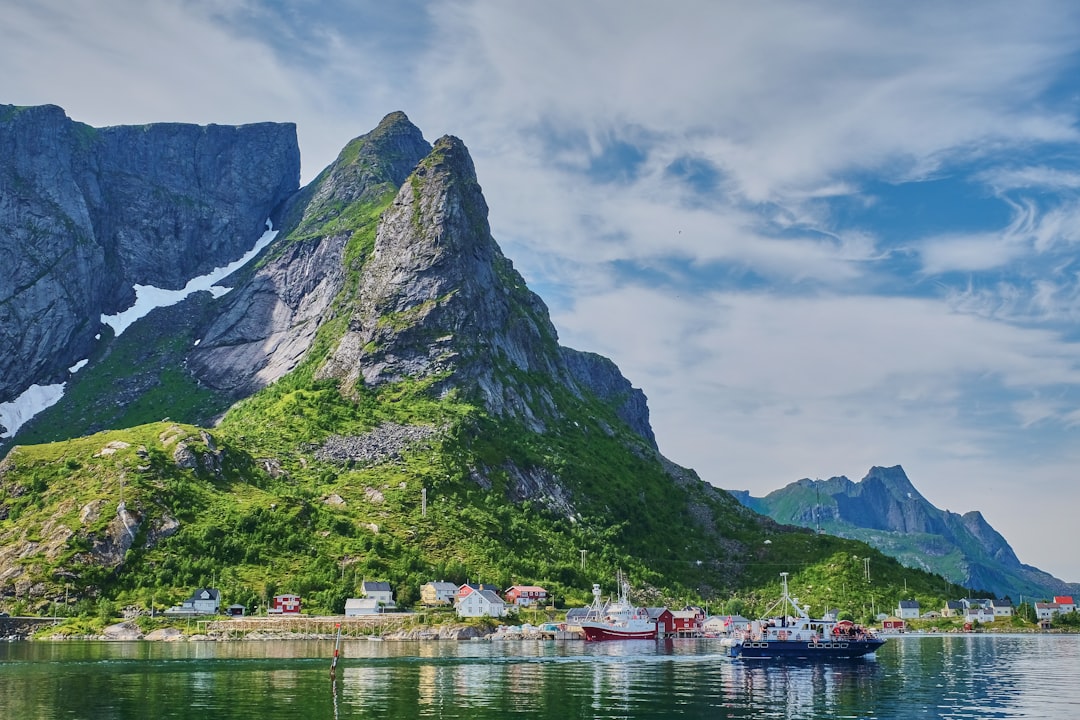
x: 908, y: 610
x: 204, y: 601
x: 979, y: 613
x: 1065, y: 603
x: 1002, y: 608
x: 724, y: 624
x: 481, y: 603
x: 362, y: 606
x: 464, y: 590
x: 1046, y: 611
x: 378, y: 591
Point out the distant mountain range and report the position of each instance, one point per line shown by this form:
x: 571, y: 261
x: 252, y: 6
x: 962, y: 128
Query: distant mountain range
x: 886, y: 511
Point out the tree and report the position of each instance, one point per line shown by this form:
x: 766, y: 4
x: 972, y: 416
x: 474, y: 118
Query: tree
x: 1027, y: 612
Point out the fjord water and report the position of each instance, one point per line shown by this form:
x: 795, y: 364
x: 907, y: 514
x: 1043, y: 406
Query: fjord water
x: 954, y: 676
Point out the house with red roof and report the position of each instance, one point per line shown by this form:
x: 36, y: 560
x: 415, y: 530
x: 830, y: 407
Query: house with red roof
x: 1065, y: 603
x: 525, y: 595
x: 285, y: 604
x: 469, y: 588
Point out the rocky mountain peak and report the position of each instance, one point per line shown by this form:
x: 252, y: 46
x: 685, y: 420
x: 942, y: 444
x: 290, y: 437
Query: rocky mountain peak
x: 437, y: 296
x: 893, y: 481
x: 367, y: 167
x: 270, y: 320
x: 388, y: 256
x: 885, y: 510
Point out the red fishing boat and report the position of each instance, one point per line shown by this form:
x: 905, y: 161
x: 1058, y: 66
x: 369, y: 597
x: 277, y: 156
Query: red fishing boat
x: 618, y: 619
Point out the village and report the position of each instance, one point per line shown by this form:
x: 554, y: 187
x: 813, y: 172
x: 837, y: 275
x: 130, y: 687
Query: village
x: 480, y: 600
x: 976, y: 612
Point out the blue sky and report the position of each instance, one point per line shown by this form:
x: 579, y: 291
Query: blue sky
x: 819, y: 236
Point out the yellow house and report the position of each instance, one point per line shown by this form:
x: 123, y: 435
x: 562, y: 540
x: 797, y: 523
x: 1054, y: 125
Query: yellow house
x: 438, y: 593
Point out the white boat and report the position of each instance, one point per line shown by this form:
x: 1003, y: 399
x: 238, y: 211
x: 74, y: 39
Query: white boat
x: 617, y: 620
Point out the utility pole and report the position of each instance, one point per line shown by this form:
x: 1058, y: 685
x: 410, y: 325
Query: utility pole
x: 583, y: 559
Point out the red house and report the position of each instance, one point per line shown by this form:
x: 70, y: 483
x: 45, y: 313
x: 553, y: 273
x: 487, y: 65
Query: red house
x: 687, y: 621
x: 1065, y: 602
x: 525, y: 595
x: 665, y: 623
x: 285, y: 605
x: 893, y: 624
x: 468, y: 588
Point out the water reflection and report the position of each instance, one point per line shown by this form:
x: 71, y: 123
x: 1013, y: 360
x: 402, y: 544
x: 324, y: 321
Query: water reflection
x: 942, y: 677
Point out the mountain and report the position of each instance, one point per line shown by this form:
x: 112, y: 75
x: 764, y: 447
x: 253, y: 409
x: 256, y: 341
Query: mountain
x: 87, y: 213
x: 379, y: 394
x: 886, y: 511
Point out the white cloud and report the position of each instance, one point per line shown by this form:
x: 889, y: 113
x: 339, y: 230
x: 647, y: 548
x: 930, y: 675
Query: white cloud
x: 755, y: 391
x: 782, y: 96
x: 1005, y: 179
x: 135, y: 62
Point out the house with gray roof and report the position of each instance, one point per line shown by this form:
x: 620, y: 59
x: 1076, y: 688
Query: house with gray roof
x: 379, y: 591
x: 481, y: 603
x: 908, y: 610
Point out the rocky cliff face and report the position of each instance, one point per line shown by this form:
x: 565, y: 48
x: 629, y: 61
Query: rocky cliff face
x: 269, y: 321
x: 438, y: 298
x: 885, y: 510
x: 86, y: 213
x: 390, y: 245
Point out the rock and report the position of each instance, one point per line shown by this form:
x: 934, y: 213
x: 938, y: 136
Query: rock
x: 185, y: 457
x: 86, y: 213
x: 123, y: 631
x: 163, y: 527
x: 111, y: 448
x: 269, y: 321
x: 165, y: 635
x: 438, y: 297
x: 91, y: 512
x: 272, y: 467
x: 386, y: 442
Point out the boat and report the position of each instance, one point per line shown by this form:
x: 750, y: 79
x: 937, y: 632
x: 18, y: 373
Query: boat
x: 799, y: 637
x: 617, y: 620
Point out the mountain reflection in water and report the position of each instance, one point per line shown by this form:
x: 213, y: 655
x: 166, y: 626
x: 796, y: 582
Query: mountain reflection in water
x: 959, y: 676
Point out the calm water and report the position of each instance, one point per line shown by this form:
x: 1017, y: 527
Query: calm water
x: 974, y: 676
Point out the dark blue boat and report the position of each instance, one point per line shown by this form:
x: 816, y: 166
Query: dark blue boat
x: 800, y: 637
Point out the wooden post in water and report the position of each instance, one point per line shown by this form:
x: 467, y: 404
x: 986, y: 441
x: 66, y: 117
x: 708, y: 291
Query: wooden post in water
x: 337, y: 647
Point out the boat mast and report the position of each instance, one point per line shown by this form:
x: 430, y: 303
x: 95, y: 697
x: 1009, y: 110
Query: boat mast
x: 786, y: 599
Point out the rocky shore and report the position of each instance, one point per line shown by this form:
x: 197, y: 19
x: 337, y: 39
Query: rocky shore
x: 129, y: 631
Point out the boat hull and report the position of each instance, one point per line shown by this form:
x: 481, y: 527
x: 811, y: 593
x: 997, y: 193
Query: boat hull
x: 603, y: 632
x: 795, y: 650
